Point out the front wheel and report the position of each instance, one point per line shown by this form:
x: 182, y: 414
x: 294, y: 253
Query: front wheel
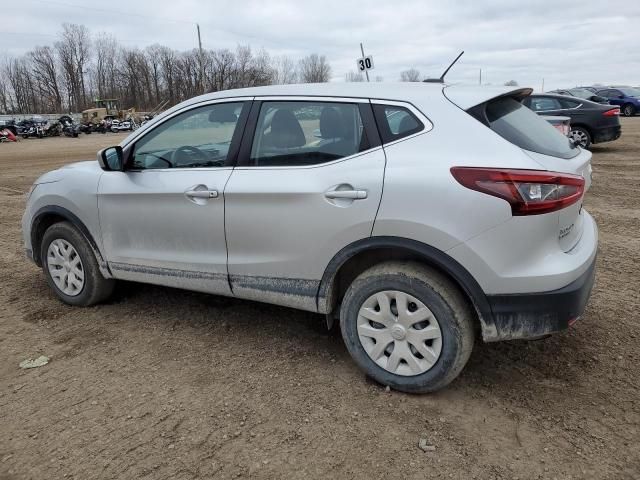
x: 580, y: 136
x: 407, y: 326
x: 70, y: 267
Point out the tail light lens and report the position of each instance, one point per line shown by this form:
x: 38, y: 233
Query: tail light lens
x: 529, y: 192
x: 612, y: 112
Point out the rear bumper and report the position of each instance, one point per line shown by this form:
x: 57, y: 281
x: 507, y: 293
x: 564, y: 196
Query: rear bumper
x: 607, y: 134
x: 522, y: 316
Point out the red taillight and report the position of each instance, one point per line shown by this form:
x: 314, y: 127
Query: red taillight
x: 529, y: 192
x: 612, y: 113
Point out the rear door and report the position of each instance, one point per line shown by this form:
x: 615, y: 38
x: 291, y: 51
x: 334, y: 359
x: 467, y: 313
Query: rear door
x: 308, y: 183
x: 162, y: 219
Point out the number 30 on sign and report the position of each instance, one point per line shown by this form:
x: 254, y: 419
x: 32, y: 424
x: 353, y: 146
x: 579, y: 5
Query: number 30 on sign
x: 365, y: 63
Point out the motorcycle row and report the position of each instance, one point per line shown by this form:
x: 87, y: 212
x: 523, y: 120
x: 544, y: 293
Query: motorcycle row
x: 39, y: 127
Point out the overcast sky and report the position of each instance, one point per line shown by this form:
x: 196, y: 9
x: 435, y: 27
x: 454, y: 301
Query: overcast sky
x: 566, y: 43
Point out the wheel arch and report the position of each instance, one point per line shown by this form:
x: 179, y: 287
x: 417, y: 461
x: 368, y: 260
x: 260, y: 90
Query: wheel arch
x: 52, y: 214
x: 360, y: 255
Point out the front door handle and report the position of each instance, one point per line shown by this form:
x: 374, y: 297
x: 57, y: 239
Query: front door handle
x: 201, y: 193
x: 349, y: 194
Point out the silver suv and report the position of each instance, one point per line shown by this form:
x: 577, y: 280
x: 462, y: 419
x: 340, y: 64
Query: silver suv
x: 364, y: 203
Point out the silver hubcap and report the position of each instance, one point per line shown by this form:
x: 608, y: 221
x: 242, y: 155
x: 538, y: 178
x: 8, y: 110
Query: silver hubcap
x: 399, y: 333
x: 65, y: 267
x: 579, y: 137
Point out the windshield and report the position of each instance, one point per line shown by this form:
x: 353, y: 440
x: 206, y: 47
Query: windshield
x: 582, y: 93
x: 517, y: 124
x: 630, y: 92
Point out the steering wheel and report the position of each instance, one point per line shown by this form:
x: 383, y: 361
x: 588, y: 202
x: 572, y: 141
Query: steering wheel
x: 192, y: 153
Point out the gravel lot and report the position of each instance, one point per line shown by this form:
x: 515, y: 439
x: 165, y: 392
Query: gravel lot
x: 162, y: 383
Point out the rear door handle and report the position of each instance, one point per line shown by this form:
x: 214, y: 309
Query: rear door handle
x: 350, y: 194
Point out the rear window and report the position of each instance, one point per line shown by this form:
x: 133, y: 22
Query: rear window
x: 517, y: 124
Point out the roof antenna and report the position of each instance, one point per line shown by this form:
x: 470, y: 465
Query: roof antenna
x: 441, y: 79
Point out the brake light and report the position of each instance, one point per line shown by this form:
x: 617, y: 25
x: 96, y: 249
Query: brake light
x: 612, y: 113
x: 529, y: 192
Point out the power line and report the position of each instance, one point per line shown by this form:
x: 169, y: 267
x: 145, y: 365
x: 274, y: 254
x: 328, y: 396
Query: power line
x: 112, y: 12
x: 216, y: 27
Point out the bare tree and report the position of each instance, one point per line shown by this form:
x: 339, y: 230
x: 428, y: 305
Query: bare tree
x: 353, y: 77
x: 104, y: 71
x: 18, y: 75
x: 64, y: 77
x: 314, y: 69
x: 155, y: 70
x: 411, y: 75
x: 511, y: 83
x: 223, y: 64
x: 169, y: 72
x: 283, y: 71
x: 45, y: 73
x: 73, y: 51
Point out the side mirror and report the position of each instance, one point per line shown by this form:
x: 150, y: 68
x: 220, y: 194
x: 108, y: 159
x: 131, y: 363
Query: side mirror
x: 620, y: 96
x: 111, y: 159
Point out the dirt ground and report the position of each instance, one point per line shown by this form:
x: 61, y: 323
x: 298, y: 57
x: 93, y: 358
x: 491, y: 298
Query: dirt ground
x: 162, y: 383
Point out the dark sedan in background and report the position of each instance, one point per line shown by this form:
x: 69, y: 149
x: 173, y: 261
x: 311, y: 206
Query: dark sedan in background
x: 590, y: 122
x: 583, y: 93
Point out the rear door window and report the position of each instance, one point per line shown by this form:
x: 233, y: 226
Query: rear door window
x: 517, y: 124
x: 296, y: 133
x: 542, y: 104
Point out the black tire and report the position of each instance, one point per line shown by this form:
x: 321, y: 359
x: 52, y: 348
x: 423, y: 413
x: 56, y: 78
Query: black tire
x: 96, y: 288
x: 440, y: 295
x: 628, y: 110
x: 584, y: 134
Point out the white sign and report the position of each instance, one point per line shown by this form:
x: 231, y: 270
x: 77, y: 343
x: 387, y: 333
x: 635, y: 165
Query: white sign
x: 365, y: 63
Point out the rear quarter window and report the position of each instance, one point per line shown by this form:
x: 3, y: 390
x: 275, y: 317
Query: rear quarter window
x: 395, y: 122
x: 519, y: 125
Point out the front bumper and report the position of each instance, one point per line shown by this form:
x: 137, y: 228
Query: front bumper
x: 522, y: 316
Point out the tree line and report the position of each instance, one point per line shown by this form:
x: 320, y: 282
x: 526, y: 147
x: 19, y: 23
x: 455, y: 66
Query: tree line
x: 79, y: 67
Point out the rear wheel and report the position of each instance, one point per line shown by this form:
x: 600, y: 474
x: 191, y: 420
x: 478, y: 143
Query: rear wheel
x: 70, y: 267
x: 628, y: 110
x: 580, y: 136
x: 407, y: 326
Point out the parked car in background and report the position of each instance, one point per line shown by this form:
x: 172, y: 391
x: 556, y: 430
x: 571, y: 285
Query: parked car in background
x: 627, y: 98
x: 562, y: 124
x: 590, y: 122
x: 275, y: 194
x: 593, y: 89
x: 583, y: 93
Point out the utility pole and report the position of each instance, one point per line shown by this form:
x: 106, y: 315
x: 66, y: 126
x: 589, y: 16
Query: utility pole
x: 366, y: 71
x: 542, y: 84
x: 201, y: 58
x: 480, y: 81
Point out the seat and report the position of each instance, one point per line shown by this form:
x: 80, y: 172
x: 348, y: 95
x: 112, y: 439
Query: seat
x: 285, y: 133
x: 333, y: 132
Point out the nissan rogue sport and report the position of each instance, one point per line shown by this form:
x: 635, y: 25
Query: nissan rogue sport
x: 362, y: 202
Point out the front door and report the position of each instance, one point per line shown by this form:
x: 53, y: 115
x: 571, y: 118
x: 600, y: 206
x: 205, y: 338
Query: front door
x: 308, y: 183
x: 162, y: 219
